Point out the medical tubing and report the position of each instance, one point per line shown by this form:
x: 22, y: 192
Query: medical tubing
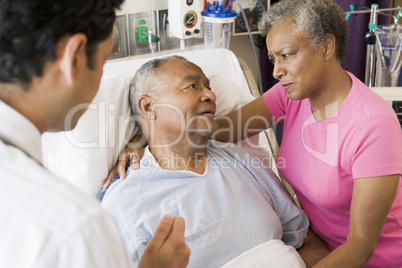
x: 253, y: 46
x: 153, y: 39
x: 370, y: 54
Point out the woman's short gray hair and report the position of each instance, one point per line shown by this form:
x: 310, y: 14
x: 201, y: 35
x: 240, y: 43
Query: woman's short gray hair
x: 314, y: 18
x: 144, y: 82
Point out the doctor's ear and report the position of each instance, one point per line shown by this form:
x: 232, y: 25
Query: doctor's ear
x: 71, y: 52
x: 147, y: 107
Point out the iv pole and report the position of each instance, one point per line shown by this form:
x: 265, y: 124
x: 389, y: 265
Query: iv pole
x: 370, y: 54
x: 370, y: 39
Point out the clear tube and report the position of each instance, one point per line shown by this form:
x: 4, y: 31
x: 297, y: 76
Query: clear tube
x: 151, y: 28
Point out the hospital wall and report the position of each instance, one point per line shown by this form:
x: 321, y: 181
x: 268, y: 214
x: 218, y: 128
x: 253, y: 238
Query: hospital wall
x: 240, y: 45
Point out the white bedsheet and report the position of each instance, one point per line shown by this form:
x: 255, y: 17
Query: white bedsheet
x: 273, y: 254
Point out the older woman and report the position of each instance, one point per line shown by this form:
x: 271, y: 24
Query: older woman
x: 342, y: 144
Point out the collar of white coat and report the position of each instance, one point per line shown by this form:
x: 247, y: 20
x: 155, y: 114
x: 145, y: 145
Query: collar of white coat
x: 20, y: 132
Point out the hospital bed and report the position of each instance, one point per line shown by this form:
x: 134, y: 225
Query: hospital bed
x: 85, y: 155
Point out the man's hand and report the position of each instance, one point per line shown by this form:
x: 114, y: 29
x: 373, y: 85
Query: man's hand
x: 167, y: 248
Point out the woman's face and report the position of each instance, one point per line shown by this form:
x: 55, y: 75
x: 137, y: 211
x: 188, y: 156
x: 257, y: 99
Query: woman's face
x: 297, y: 65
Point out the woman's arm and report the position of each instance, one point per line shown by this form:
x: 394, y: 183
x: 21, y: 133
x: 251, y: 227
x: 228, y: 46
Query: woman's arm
x: 245, y: 122
x: 133, y: 151
x: 313, y: 250
x: 371, y: 201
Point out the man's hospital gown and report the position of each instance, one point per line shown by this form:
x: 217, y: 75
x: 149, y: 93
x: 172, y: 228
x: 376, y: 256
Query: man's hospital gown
x: 237, y: 204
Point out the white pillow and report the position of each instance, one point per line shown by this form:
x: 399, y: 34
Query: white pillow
x: 85, y: 155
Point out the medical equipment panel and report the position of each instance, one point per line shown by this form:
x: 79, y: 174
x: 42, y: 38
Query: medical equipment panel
x: 139, y: 25
x: 167, y: 42
x: 397, y: 105
x: 254, y: 10
x: 120, y: 48
x: 393, y: 95
x: 150, y: 30
x: 185, y: 18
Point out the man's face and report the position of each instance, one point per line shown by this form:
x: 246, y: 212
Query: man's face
x: 185, y: 104
x: 89, y: 79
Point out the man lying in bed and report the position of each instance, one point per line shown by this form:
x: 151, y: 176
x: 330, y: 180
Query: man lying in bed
x: 231, y: 201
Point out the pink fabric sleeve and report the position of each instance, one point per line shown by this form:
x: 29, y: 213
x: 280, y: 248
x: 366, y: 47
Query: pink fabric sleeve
x: 378, y: 152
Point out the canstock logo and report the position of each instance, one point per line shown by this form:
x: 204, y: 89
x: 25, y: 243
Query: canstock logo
x: 331, y: 154
x: 102, y: 130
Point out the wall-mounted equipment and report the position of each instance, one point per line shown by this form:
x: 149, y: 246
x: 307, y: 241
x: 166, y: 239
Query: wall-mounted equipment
x: 166, y: 42
x: 393, y: 95
x: 397, y: 106
x: 254, y: 10
x: 184, y: 19
x: 120, y: 48
x: 218, y: 24
x: 139, y: 25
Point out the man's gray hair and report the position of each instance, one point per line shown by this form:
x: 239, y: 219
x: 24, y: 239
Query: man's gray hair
x: 315, y: 19
x: 144, y: 82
